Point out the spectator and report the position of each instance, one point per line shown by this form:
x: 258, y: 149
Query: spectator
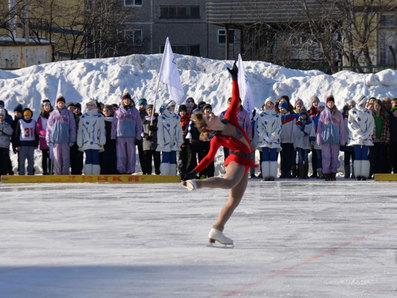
x: 142, y: 103
x: 380, y: 137
x: 60, y: 136
x: 330, y: 135
x: 267, y: 134
x: 26, y: 141
x: 169, y: 138
x: 91, y: 137
x: 361, y: 125
x: 107, y: 158
x: 5, y: 137
x: 150, y: 142
x: 393, y: 138
x: 41, y: 130
x: 126, y: 129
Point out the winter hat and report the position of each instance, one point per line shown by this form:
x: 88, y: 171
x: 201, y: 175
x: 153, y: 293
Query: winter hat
x: 361, y: 100
x: 2, y: 103
x: 299, y: 102
x: 314, y: 98
x: 190, y: 100
x: 70, y: 104
x: 149, y: 106
x: 182, y: 108
x: 283, y: 105
x: 126, y: 95
x: 27, y: 111
x: 45, y: 102
x: 3, y: 112
x: 60, y: 98
x: 78, y: 105
x: 269, y: 99
x: 19, y: 108
x: 142, y: 101
x: 169, y: 103
x: 89, y: 101
x: 330, y: 98
x: 201, y: 104
x: 321, y: 104
x: 207, y: 106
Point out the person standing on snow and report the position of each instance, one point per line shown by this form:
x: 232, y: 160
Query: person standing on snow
x: 267, y: 136
x: 330, y: 135
x: 126, y: 129
x: 60, y: 136
x: 361, y: 125
x: 230, y: 134
x: 41, y: 130
x: 169, y: 138
x: 91, y: 137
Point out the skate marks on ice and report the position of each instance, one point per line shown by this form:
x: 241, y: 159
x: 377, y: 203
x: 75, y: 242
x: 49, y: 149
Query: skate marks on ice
x: 290, y: 239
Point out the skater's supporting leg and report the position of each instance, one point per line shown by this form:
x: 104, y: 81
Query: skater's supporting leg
x: 235, y: 195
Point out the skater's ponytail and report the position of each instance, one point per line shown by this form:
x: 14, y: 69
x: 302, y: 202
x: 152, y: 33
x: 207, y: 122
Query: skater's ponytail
x: 201, y: 126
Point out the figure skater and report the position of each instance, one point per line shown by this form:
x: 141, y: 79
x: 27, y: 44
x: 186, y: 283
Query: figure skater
x: 230, y: 134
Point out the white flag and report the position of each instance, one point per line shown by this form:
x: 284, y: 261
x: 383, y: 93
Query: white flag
x: 169, y: 74
x: 59, y: 90
x: 244, y: 87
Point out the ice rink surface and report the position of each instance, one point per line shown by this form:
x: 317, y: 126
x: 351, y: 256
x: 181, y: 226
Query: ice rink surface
x: 292, y: 239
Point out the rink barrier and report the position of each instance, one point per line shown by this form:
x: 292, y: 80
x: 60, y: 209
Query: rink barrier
x: 91, y: 179
x: 385, y: 177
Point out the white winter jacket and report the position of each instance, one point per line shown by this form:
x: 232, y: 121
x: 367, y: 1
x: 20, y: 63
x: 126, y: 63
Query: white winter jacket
x: 361, y: 125
x: 169, y: 132
x: 91, y: 133
x: 268, y: 129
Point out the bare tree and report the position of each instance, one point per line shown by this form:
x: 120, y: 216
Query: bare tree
x: 346, y: 29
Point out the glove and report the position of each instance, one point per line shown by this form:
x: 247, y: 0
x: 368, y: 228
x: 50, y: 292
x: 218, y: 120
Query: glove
x: 233, y: 71
x: 299, y: 123
x: 191, y: 175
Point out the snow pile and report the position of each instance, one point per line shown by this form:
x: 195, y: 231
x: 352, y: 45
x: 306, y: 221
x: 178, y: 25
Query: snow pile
x: 203, y: 79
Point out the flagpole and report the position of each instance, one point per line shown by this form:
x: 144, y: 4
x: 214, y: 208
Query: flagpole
x: 155, y: 100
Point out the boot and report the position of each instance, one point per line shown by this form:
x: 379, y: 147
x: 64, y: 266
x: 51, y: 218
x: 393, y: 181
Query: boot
x: 294, y: 171
x: 365, y: 167
x: 172, y: 169
x: 320, y: 173
x: 357, y: 169
x: 164, y: 168
x: 305, y: 171
x: 265, y: 170
x: 301, y: 171
x: 327, y: 177
x: 347, y: 171
x: 273, y: 170
x: 88, y: 169
x: 96, y: 169
x: 216, y: 235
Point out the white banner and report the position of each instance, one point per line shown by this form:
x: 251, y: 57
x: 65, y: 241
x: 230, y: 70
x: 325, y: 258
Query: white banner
x: 244, y: 87
x: 169, y: 75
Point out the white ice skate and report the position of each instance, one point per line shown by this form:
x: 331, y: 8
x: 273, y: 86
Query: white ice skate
x: 216, y: 235
x: 190, y: 184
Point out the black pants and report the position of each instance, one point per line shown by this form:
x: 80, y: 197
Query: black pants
x: 76, y: 160
x: 46, y: 162
x: 4, y: 163
x: 142, y: 159
x: 287, y: 156
x: 150, y: 155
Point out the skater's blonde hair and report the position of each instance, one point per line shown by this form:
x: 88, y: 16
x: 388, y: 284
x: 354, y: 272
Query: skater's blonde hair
x: 201, y: 126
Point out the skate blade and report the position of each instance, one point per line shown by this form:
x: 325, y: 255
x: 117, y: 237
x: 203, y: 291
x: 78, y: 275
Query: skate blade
x: 217, y: 244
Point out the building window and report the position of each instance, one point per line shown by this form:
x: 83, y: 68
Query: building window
x: 192, y: 50
x: 388, y: 21
x: 222, y: 37
x: 133, y: 2
x: 179, y: 12
x: 135, y: 36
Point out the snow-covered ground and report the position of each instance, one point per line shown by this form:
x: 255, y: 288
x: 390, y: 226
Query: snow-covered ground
x: 295, y: 238
x: 202, y: 79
